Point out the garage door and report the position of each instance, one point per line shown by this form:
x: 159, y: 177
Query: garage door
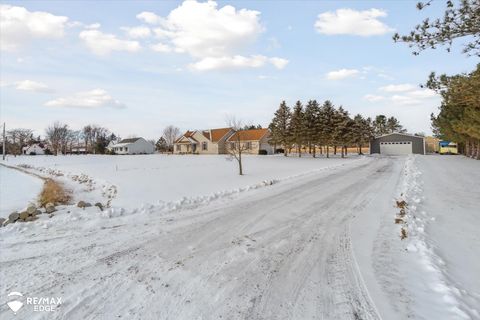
x: 396, y: 148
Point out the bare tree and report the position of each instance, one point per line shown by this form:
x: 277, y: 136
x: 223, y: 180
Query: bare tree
x: 57, y: 136
x: 236, y: 148
x: 171, y: 134
x: 19, y: 138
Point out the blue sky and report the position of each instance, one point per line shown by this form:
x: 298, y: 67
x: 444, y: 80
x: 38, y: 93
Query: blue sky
x: 138, y: 66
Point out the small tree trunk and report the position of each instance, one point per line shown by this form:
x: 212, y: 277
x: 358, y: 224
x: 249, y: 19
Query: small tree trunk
x: 342, y: 152
x: 299, y: 149
x: 314, y: 151
x: 335, y: 150
x: 346, y: 151
x: 328, y: 156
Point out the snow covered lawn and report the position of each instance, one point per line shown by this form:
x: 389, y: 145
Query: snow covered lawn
x: 140, y: 180
x: 17, y: 189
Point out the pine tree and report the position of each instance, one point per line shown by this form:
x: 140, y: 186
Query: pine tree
x: 312, y: 113
x: 327, y: 125
x: 341, y: 129
x: 297, y: 127
x: 380, y: 125
x: 279, y: 127
x: 394, y: 126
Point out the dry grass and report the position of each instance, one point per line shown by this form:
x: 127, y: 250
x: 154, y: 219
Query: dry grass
x: 401, y: 204
x: 398, y: 221
x: 53, y: 192
x: 403, y: 234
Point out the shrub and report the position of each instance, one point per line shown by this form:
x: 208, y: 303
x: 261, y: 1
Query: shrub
x: 262, y: 152
x: 279, y: 150
x: 54, y: 193
x: 33, y: 153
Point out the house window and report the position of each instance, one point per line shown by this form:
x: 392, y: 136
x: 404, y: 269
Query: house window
x: 126, y: 149
x: 204, y: 146
x: 232, y: 145
x: 248, y: 145
x: 179, y: 147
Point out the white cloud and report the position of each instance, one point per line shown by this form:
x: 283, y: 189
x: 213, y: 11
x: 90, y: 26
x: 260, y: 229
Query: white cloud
x: 93, y: 99
x: 236, y: 62
x: 18, y: 26
x: 139, y: 32
x: 215, y: 37
x: 402, y: 94
x: 422, y: 93
x: 373, y: 97
x: 279, y: 63
x: 404, y: 100
x: 103, y: 43
x: 352, y: 22
x: 29, y: 85
x: 398, y: 87
x: 342, y: 74
x: 149, y: 17
x: 161, y: 47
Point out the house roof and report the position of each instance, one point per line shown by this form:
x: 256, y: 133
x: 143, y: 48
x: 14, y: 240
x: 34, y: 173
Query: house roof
x: 249, y: 135
x: 217, y: 134
x: 213, y: 135
x: 130, y: 140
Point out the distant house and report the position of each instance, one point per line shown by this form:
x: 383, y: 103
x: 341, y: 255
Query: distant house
x: 211, y: 141
x: 78, y: 149
x: 252, y: 141
x: 133, y: 146
x: 34, y: 149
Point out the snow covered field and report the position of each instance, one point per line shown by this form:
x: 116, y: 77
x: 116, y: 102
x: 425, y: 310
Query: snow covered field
x: 156, y: 179
x: 17, y: 189
x: 318, y: 243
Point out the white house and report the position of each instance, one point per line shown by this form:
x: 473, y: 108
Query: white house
x: 133, y: 146
x: 33, y: 149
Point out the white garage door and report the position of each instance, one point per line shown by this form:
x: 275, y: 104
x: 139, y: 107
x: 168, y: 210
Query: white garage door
x: 394, y: 148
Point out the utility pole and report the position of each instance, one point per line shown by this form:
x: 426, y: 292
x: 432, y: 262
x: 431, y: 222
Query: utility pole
x: 4, y: 139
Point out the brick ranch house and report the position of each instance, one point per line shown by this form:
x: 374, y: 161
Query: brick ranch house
x: 252, y: 141
x: 211, y: 141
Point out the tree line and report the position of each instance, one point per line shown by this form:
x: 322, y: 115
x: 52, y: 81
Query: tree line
x: 61, y: 139
x: 458, y: 118
x: 324, y: 128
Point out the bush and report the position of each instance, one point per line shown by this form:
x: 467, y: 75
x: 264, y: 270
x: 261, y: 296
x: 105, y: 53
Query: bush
x: 53, y: 192
x: 33, y: 153
x: 262, y: 152
x: 279, y: 150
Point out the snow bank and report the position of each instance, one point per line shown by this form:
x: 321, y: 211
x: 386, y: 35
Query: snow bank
x: 434, y: 296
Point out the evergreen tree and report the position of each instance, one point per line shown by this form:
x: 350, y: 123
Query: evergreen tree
x: 459, y: 116
x: 297, y: 127
x: 312, y: 127
x: 341, y: 129
x: 162, y: 145
x: 394, y: 126
x: 461, y: 20
x: 327, y: 125
x: 380, y: 125
x: 279, y: 127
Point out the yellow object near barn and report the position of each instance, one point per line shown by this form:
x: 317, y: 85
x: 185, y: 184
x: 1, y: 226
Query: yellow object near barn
x: 447, y: 147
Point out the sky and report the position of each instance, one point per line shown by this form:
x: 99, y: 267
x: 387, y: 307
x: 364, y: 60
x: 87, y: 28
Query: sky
x: 137, y: 66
